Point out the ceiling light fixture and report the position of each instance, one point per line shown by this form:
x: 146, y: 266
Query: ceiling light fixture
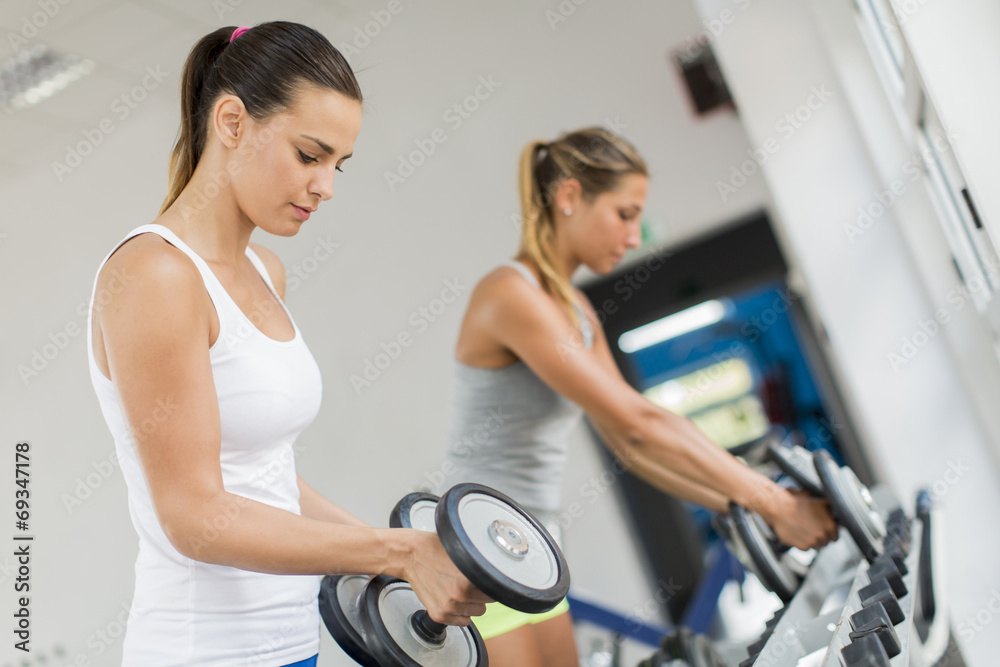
x: 36, y: 74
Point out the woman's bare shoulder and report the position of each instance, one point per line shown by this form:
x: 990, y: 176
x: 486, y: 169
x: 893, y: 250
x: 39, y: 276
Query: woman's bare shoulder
x: 147, y: 264
x: 501, y: 283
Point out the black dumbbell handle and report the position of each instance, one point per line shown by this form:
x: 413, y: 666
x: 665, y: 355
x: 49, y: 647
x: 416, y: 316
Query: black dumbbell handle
x: 428, y: 629
x: 779, y: 547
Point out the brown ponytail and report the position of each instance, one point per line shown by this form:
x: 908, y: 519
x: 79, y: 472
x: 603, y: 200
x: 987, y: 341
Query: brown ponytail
x: 265, y: 67
x: 595, y: 157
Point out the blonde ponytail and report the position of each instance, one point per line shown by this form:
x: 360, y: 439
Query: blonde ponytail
x: 593, y: 156
x: 538, y: 230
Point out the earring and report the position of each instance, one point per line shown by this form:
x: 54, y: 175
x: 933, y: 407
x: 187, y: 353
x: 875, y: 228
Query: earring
x: 568, y: 211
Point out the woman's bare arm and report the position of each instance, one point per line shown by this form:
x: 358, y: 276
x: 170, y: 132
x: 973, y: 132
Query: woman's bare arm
x: 155, y: 334
x: 660, y: 477
x: 526, y: 321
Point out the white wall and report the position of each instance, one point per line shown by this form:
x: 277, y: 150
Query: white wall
x: 451, y: 220
x: 918, y: 418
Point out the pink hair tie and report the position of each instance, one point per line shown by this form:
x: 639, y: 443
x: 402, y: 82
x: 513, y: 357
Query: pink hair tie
x: 239, y: 31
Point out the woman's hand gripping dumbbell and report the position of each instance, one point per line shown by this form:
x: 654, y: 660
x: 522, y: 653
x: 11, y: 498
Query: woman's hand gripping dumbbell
x: 494, y: 543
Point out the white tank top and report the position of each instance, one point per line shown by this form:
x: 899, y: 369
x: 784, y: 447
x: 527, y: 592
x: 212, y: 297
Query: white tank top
x: 187, y: 612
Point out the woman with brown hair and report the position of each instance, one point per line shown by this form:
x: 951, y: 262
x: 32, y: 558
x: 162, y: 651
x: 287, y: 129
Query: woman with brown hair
x: 531, y: 350
x: 205, y: 381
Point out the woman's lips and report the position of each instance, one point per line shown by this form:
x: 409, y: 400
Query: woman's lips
x: 301, y: 212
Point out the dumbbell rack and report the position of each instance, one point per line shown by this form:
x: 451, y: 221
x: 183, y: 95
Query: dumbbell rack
x: 815, y: 625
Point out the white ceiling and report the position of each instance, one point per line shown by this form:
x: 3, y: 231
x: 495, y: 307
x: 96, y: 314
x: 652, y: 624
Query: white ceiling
x: 123, y: 38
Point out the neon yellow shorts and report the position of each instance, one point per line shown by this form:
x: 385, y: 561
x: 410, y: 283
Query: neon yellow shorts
x: 499, y: 620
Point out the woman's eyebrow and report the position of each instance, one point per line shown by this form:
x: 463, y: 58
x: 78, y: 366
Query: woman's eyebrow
x: 326, y: 149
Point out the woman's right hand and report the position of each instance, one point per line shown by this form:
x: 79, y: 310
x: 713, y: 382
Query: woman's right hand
x: 449, y: 597
x: 802, y: 521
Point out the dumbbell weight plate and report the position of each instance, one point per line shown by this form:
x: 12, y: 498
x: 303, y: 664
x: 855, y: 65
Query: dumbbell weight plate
x: 797, y: 463
x: 864, y: 504
x: 852, y: 504
x: 772, y: 572
x: 415, y: 510
x: 385, y: 609
x: 723, y: 525
x: 501, y: 548
x: 338, y: 596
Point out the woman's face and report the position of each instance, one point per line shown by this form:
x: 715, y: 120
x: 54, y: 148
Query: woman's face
x: 291, y: 159
x: 601, y: 231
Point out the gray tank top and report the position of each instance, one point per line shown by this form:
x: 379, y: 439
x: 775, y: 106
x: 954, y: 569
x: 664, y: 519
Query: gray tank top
x: 508, y: 429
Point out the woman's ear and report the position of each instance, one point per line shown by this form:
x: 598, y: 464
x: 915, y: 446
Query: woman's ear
x: 569, y: 195
x: 229, y: 113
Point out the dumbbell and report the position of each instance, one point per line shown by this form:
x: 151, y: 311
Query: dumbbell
x: 339, y: 593
x: 778, y: 567
x: 850, y: 501
x: 851, y: 504
x: 500, y: 548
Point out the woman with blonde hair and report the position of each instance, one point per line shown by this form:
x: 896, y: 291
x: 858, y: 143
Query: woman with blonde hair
x: 531, y: 350
x: 205, y: 381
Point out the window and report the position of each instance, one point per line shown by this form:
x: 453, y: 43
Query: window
x: 970, y: 243
x: 972, y: 249
x: 884, y: 41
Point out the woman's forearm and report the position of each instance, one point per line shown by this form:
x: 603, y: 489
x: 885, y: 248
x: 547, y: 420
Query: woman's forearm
x: 239, y: 532
x: 661, y: 477
x: 673, y: 442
